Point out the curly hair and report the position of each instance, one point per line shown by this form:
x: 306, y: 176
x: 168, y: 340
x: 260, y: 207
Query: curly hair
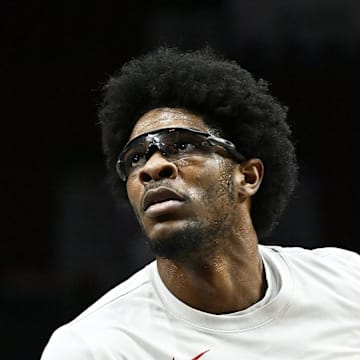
x: 226, y: 96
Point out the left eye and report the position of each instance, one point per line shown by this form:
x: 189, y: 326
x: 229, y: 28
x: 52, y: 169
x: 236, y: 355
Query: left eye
x: 185, y: 147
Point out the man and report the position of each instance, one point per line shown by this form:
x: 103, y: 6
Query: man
x: 203, y: 152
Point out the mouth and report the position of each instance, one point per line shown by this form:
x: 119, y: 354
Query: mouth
x: 160, y: 195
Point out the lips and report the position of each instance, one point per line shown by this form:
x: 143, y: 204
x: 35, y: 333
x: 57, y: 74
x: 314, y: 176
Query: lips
x: 160, y: 195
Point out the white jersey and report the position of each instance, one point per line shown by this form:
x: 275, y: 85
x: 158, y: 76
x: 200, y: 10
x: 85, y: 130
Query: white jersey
x: 311, y: 310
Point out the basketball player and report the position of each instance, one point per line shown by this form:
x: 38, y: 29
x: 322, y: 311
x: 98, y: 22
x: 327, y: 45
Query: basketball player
x: 204, y: 155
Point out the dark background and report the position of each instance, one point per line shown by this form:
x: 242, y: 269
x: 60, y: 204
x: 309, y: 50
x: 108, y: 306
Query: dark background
x: 64, y: 241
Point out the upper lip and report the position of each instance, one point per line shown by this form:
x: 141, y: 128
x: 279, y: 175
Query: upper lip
x: 158, y: 195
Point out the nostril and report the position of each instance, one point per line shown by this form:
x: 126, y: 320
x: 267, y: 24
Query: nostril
x: 145, y: 177
x: 166, y: 172
x: 156, y: 168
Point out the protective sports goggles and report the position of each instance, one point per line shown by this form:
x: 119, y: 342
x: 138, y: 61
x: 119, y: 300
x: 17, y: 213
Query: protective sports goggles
x: 174, y: 143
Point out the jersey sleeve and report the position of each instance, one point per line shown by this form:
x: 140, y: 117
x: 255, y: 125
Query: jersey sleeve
x: 65, y: 344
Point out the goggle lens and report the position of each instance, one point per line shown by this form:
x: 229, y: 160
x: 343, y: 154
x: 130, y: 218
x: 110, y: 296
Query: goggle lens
x: 174, y: 143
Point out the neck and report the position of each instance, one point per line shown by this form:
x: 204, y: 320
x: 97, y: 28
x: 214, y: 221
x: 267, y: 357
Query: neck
x: 232, y: 280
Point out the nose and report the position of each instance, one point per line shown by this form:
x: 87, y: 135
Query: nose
x: 157, y: 167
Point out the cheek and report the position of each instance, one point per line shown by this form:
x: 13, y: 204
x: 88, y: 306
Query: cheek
x: 134, y: 194
x: 212, y: 181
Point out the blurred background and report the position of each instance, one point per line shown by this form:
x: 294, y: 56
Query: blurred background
x: 64, y: 240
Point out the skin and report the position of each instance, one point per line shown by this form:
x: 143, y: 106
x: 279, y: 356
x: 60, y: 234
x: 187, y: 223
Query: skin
x: 222, y: 271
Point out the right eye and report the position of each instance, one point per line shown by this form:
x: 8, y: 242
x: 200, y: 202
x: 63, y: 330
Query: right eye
x: 134, y: 159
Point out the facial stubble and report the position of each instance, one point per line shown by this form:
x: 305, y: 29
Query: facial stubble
x: 201, y: 237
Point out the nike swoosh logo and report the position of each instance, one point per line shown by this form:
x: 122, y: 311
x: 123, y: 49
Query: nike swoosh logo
x: 200, y: 355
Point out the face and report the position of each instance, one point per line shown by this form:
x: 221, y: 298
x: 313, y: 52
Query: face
x: 187, y: 205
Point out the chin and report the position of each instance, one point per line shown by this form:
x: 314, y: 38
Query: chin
x: 165, y: 230
x: 178, y: 241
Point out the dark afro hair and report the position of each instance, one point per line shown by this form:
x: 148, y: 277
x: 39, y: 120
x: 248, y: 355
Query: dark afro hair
x: 226, y: 96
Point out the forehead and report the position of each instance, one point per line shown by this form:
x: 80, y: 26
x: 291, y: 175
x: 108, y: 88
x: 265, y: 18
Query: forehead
x: 167, y: 117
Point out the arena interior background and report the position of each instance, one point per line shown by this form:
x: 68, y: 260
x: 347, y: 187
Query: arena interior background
x: 64, y: 241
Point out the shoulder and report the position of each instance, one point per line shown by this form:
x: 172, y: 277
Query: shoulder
x: 346, y: 258
x: 64, y: 344
x: 84, y: 336
x: 332, y: 267
x: 325, y: 277
x: 340, y: 258
x: 122, y: 296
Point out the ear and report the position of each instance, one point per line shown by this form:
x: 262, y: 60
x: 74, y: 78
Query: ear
x: 248, y: 176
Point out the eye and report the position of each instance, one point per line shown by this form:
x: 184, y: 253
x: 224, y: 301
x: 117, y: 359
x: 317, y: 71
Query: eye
x: 185, y: 147
x: 134, y: 159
